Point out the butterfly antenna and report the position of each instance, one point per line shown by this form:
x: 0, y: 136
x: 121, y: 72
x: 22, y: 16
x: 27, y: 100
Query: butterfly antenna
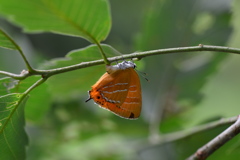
x: 89, y: 97
x: 143, y: 74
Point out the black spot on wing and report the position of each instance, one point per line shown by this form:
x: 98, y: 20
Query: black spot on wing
x: 131, y: 115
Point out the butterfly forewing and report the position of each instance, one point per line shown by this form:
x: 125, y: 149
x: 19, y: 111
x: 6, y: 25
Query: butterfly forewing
x: 116, y: 91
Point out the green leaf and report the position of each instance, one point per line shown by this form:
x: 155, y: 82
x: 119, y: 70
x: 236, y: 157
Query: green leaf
x: 6, y: 84
x: 39, y: 101
x: 6, y: 41
x: 13, y: 138
x: 88, y: 19
x: 80, y: 81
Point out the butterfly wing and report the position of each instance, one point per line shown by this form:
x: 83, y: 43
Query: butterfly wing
x: 133, y: 101
x: 111, y: 87
x: 119, y: 92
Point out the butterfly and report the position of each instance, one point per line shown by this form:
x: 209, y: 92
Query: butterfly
x: 119, y: 90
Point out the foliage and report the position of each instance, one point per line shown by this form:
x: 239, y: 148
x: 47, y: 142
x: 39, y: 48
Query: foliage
x: 184, y: 89
x: 13, y: 137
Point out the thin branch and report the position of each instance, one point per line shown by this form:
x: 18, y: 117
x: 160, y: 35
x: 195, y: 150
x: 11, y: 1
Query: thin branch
x: 15, y: 76
x: 184, y: 49
x: 217, y: 142
x: 170, y: 137
x: 137, y: 55
x: 194, y: 130
x: 8, y: 74
x: 51, y: 72
x: 140, y: 55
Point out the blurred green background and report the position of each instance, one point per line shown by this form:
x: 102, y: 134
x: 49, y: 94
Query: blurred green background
x: 184, y: 89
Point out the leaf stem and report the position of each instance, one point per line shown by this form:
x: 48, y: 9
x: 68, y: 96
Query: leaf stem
x: 106, y: 61
x: 39, y: 82
x: 30, y: 69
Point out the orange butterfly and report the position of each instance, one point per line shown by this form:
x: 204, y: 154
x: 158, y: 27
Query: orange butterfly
x: 119, y: 90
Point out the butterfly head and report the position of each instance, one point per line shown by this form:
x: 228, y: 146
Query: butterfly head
x: 120, y: 66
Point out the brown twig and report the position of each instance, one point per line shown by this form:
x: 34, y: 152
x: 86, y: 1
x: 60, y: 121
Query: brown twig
x: 206, y: 150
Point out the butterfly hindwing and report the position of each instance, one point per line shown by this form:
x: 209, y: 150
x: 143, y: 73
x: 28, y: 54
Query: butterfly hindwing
x: 133, y: 101
x: 119, y: 91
